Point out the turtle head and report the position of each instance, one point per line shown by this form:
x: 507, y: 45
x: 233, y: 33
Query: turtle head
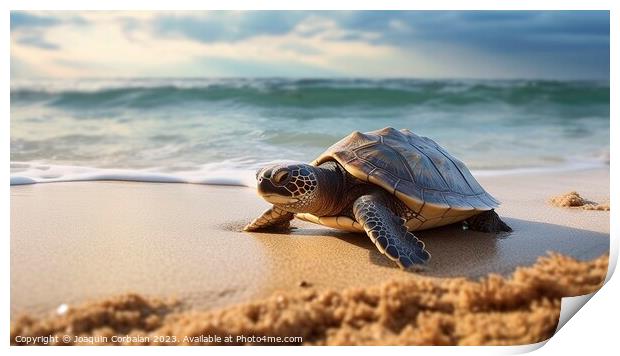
x: 290, y: 186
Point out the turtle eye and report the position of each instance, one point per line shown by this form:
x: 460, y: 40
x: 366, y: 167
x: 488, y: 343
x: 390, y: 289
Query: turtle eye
x: 280, y: 177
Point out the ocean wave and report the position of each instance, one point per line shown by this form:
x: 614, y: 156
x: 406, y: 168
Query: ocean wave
x: 315, y: 93
x: 180, y: 124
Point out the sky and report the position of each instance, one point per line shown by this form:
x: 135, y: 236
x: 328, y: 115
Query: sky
x: 326, y: 44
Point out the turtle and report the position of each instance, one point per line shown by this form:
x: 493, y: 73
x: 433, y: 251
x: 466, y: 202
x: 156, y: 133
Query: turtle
x: 387, y: 184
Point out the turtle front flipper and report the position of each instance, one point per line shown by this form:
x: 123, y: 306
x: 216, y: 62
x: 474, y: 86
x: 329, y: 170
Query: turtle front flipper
x: 273, y: 218
x: 388, y: 232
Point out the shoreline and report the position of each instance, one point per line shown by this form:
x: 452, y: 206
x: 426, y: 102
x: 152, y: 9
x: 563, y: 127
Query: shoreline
x: 217, y: 173
x: 74, y: 242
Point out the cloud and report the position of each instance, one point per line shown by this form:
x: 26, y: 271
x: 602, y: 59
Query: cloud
x: 23, y: 19
x: 483, y: 44
x: 37, y: 41
x: 224, y: 67
x: 485, y: 29
x: 219, y: 26
x: 555, y: 44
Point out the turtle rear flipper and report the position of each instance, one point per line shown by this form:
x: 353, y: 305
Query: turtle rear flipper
x: 487, y: 221
x: 388, y: 232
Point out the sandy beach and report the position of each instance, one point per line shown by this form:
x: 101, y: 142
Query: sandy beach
x: 76, y: 242
x: 131, y: 168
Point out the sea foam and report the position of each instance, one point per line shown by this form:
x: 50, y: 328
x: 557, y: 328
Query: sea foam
x: 23, y: 173
x: 29, y: 173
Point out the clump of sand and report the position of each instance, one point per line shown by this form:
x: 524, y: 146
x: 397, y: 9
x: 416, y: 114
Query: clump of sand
x: 118, y: 315
x: 574, y: 200
x: 522, y: 309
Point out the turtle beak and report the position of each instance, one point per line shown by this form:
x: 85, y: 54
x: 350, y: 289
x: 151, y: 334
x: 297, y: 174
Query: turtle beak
x: 267, y: 188
x: 278, y: 199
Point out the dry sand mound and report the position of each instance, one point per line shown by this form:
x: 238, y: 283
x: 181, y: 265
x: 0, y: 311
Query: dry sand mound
x: 521, y: 309
x: 574, y: 200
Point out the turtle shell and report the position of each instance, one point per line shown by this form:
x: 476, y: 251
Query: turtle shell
x: 419, y: 172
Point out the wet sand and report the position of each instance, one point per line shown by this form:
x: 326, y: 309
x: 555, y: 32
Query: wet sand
x: 75, y: 242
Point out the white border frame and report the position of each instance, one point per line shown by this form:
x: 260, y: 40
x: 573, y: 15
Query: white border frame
x: 592, y: 330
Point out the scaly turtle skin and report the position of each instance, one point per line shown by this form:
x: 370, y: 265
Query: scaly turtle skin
x: 386, y: 183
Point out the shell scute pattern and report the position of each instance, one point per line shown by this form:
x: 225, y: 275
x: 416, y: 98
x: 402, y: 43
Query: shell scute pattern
x: 414, y: 168
x: 383, y: 158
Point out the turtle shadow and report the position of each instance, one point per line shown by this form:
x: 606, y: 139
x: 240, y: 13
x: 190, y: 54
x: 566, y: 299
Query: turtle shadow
x: 465, y: 253
x: 238, y: 225
x: 357, y: 239
x: 456, y: 252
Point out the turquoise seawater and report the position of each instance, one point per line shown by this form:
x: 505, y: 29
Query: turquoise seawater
x: 175, y: 127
